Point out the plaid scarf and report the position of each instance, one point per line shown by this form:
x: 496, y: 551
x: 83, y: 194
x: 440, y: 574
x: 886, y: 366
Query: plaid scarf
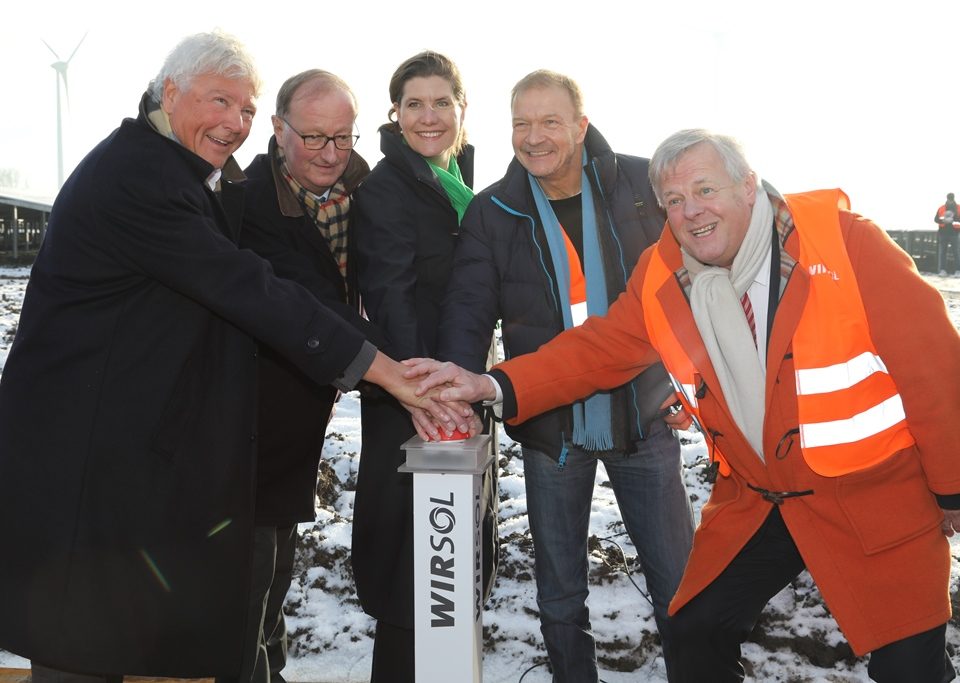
x: 329, y: 216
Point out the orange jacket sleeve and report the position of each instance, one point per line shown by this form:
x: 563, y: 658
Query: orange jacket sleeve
x: 603, y: 353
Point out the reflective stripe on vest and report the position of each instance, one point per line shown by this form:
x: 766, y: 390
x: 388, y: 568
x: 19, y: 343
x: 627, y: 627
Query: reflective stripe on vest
x: 683, y: 373
x: 850, y: 411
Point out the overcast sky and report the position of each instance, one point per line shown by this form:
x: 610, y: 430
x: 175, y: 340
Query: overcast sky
x: 822, y: 94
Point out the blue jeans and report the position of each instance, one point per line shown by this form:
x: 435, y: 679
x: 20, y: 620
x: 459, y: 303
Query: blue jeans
x: 656, y: 512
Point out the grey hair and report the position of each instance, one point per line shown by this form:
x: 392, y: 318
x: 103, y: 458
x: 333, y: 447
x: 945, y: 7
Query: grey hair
x: 205, y: 53
x: 678, y: 144
x: 320, y: 81
x: 545, y: 78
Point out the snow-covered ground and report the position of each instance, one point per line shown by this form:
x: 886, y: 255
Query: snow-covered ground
x: 796, y: 641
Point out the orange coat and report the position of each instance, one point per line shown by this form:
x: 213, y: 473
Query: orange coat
x: 870, y: 539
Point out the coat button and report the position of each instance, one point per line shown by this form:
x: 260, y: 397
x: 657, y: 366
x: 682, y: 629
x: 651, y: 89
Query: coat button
x: 313, y: 342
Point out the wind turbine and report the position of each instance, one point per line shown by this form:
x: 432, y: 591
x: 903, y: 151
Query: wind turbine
x: 60, y: 66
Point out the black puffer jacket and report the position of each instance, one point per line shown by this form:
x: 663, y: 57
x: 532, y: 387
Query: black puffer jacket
x: 502, y: 270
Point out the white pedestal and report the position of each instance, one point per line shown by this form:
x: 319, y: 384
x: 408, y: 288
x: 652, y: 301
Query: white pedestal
x: 447, y: 582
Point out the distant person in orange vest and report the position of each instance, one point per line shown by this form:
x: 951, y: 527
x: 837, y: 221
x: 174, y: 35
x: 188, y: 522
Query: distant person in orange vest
x: 947, y: 236
x: 834, y: 446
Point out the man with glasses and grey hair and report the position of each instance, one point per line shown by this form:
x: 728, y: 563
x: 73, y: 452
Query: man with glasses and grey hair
x: 296, y: 215
x: 128, y: 400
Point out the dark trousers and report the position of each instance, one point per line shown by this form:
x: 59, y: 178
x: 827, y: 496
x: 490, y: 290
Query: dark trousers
x: 41, y: 674
x: 947, y: 239
x: 265, y: 647
x: 393, y: 655
x: 707, y: 632
x: 265, y: 638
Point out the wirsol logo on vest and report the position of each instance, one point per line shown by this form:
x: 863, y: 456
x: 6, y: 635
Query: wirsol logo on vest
x: 820, y: 269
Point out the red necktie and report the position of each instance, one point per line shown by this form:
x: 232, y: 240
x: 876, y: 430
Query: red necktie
x: 748, y: 311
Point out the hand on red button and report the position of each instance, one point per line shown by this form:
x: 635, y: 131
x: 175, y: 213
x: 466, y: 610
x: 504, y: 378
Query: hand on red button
x: 457, y: 435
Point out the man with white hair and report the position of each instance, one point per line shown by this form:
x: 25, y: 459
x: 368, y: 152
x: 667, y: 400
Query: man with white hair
x: 833, y: 440
x: 128, y: 400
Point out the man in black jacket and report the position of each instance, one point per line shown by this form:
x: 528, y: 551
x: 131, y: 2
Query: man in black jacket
x: 296, y: 216
x: 128, y: 400
x: 551, y: 242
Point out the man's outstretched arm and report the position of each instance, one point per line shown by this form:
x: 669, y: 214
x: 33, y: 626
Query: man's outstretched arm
x: 454, y: 383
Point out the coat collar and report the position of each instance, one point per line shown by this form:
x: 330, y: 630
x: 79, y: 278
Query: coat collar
x: 357, y: 169
x: 146, y: 117
x: 398, y: 153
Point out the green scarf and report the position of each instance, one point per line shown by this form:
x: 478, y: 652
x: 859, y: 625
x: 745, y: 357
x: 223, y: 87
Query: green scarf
x: 452, y: 183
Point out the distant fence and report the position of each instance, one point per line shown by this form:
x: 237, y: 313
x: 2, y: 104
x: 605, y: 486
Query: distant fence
x: 21, y: 239
x: 922, y: 247
x: 21, y: 235
x: 23, y: 222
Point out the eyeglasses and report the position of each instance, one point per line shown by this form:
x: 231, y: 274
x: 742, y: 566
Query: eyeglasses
x: 705, y: 194
x: 341, y: 142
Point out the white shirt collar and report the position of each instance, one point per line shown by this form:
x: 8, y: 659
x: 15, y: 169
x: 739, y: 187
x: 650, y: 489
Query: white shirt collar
x: 213, y: 179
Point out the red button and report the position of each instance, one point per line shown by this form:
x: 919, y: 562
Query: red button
x: 456, y: 436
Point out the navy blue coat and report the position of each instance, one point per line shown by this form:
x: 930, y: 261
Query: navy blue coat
x: 293, y: 410
x: 406, y: 230
x: 503, y: 271
x: 128, y: 417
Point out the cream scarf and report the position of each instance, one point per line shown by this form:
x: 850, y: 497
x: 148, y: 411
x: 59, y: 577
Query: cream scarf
x: 715, y: 302
x: 161, y: 123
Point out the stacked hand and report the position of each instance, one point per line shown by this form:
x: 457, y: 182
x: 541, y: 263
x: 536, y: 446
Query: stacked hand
x: 452, y: 382
x: 429, y: 412
x: 450, y: 385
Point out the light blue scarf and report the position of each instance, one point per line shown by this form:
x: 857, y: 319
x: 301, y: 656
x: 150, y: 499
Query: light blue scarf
x: 591, y: 417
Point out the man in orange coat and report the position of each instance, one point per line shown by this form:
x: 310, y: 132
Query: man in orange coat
x: 833, y: 436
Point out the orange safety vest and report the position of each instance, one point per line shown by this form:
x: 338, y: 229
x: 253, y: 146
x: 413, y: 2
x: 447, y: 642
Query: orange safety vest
x: 954, y: 222
x: 578, y: 282
x: 850, y: 411
x: 681, y: 368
